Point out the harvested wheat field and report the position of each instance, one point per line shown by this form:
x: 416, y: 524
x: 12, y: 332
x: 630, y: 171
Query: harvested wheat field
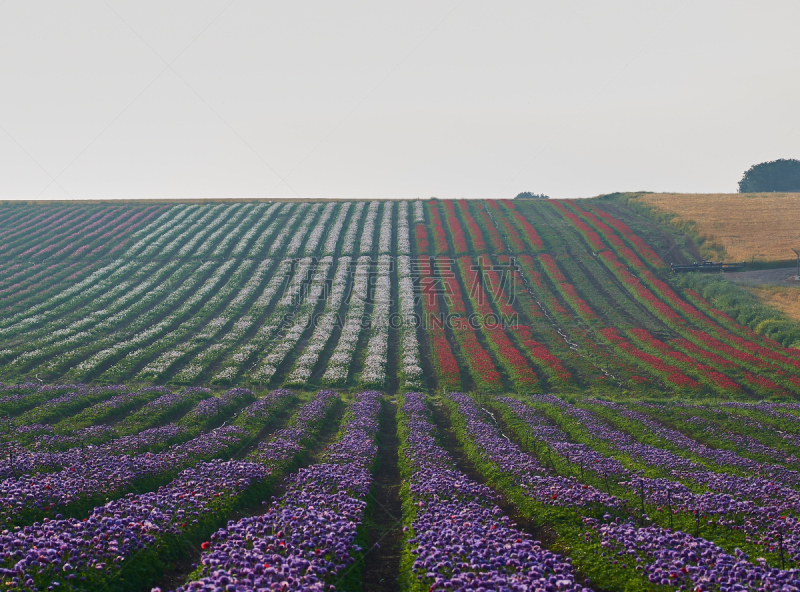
x: 750, y: 226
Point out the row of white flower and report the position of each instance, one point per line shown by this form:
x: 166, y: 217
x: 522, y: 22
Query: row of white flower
x: 319, y: 229
x: 160, y: 227
x: 403, y: 240
x: 301, y: 322
x: 138, y: 315
x: 336, y: 230
x: 242, y: 355
x: 410, y: 368
x: 280, y: 239
x: 85, y: 310
x: 55, y: 336
x: 265, y: 214
x: 339, y: 364
x: 215, y: 216
x: 162, y: 220
x: 261, y: 242
x: 374, y: 372
x: 204, y: 357
x: 183, y: 318
x: 104, y: 291
x: 285, y: 305
x: 177, y: 234
x: 325, y: 324
x: 187, y: 337
x: 232, y: 364
x: 352, y: 229
x: 62, y: 301
x: 106, y: 315
x: 419, y: 212
x: 299, y: 235
x: 182, y: 229
x: 209, y: 353
x: 369, y: 228
x: 84, y: 291
x: 385, y: 235
x: 181, y: 294
x: 212, y: 216
x: 233, y: 230
x: 229, y: 230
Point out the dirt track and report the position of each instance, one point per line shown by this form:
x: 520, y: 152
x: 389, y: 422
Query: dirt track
x: 773, y: 277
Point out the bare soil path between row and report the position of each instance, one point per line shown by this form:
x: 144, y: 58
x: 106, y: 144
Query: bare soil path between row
x: 449, y: 442
x: 385, y: 528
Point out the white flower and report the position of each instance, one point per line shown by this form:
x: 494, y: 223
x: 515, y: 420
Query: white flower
x: 403, y: 238
x: 352, y: 229
x: 419, y: 212
x: 280, y: 239
x: 339, y: 364
x: 385, y: 237
x: 319, y: 229
x: 369, y: 228
x: 411, y: 371
x: 333, y: 235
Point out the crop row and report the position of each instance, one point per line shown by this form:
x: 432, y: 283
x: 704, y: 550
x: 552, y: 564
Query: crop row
x: 648, y: 530
x: 230, y: 294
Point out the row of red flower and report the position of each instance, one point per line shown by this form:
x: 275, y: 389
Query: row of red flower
x: 439, y: 235
x: 651, y: 362
x: 669, y: 303
x: 479, y: 363
x: 515, y: 364
x: 475, y: 234
x: 668, y: 294
x: 444, y: 362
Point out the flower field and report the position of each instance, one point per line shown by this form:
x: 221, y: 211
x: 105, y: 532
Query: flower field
x: 383, y: 395
x: 192, y: 489
x: 478, y: 295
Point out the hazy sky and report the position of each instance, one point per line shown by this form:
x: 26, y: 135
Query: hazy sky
x: 243, y: 98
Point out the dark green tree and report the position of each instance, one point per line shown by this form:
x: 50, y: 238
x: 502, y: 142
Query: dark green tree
x: 529, y: 195
x: 779, y: 175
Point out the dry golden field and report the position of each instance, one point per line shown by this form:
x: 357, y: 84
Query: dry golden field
x: 761, y: 226
x: 782, y: 298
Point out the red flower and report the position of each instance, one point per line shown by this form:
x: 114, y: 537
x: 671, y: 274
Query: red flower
x: 478, y: 244
x: 456, y: 232
x: 422, y: 238
x: 439, y: 235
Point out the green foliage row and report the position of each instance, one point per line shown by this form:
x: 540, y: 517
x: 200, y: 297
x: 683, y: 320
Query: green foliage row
x: 743, y: 306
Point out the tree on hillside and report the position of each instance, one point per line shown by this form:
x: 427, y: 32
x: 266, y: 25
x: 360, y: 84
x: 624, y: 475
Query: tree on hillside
x: 529, y: 195
x: 778, y: 175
